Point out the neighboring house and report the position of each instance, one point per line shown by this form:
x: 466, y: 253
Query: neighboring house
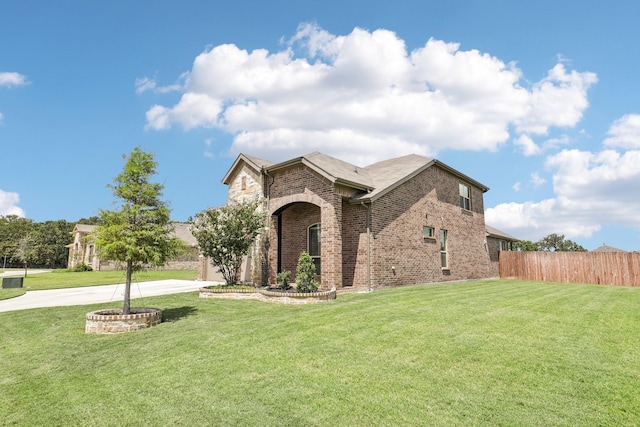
x: 498, y: 241
x: 606, y: 248
x: 402, y: 221
x: 83, y: 251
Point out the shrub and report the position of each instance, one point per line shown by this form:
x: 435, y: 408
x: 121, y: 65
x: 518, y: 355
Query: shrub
x: 82, y: 267
x: 306, y: 274
x: 284, y: 280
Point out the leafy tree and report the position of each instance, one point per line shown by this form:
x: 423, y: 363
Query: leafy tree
x: 49, y: 243
x: 226, y: 234
x: 557, y: 243
x: 92, y: 220
x: 526, y: 245
x: 139, y: 232
x: 306, y: 274
x: 25, y: 251
x: 13, y: 229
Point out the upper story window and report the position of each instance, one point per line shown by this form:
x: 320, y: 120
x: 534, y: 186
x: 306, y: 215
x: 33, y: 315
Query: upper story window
x: 243, y: 183
x: 465, y: 197
x: 504, y: 246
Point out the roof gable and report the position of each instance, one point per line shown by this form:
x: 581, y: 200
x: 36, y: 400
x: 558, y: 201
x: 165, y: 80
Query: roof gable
x: 256, y: 163
x: 84, y: 228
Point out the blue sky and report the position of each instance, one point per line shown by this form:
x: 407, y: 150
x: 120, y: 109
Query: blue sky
x: 536, y: 100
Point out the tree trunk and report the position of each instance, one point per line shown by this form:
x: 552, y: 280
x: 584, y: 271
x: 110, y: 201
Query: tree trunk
x: 126, y: 309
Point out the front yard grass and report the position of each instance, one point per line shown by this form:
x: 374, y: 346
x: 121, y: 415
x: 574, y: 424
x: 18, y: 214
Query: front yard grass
x: 483, y: 353
x: 68, y: 279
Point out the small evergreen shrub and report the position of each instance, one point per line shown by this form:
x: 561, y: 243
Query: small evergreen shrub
x: 306, y: 274
x: 82, y: 267
x: 284, y: 280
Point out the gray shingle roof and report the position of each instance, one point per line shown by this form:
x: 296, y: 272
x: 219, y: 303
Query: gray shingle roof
x: 183, y: 233
x: 606, y: 248
x: 373, y: 180
x: 494, y: 232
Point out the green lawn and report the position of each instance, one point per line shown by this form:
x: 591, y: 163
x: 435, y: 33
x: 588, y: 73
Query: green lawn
x: 67, y: 279
x: 489, y: 353
x: 58, y: 279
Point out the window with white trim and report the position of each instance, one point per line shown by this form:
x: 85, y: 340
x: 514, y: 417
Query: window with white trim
x: 444, y: 255
x: 465, y: 197
x: 313, y: 245
x: 428, y: 232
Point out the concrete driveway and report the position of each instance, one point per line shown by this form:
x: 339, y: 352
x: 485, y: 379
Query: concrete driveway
x: 98, y: 294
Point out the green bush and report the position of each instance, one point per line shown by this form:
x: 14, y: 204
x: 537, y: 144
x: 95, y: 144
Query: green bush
x: 284, y: 280
x: 306, y: 274
x: 81, y: 267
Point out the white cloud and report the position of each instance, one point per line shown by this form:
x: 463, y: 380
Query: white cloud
x: 537, y: 180
x: 11, y: 79
x: 9, y: 204
x: 343, y: 93
x: 556, y: 101
x: 625, y: 133
x: 591, y: 189
x: 517, y: 186
x: 144, y: 84
x: 526, y: 145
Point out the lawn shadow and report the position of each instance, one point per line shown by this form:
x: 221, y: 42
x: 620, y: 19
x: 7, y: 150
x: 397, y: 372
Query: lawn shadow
x: 175, y: 314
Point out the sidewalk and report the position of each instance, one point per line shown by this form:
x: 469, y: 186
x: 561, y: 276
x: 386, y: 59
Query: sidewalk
x: 98, y: 294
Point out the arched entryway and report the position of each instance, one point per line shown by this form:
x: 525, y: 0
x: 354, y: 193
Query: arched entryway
x: 297, y: 227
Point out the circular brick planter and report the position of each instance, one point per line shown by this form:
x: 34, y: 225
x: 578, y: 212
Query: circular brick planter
x: 220, y: 292
x: 112, y: 321
x: 281, y: 297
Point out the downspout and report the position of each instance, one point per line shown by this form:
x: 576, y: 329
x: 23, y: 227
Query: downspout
x: 368, y: 244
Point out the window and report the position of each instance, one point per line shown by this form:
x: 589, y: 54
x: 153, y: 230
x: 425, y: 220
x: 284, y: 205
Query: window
x: 444, y: 262
x: 313, y: 245
x: 465, y: 197
x: 428, y: 232
x: 243, y: 183
x: 503, y: 245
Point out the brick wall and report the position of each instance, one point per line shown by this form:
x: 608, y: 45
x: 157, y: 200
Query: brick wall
x: 300, y: 184
x: 354, y: 245
x: 400, y: 253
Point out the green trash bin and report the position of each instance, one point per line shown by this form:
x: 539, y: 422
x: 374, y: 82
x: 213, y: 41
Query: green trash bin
x: 12, y: 282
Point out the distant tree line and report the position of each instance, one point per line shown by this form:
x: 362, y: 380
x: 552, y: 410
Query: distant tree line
x: 36, y: 244
x: 551, y: 243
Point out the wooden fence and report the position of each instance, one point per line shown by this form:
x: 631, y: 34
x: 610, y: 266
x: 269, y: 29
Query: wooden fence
x: 603, y: 268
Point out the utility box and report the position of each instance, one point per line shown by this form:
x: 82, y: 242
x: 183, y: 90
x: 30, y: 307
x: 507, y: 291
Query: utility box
x: 12, y: 282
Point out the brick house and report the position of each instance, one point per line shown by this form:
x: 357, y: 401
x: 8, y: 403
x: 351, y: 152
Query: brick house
x: 498, y: 241
x: 83, y: 251
x: 401, y: 221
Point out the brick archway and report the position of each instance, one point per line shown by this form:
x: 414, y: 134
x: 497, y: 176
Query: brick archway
x: 293, y: 213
